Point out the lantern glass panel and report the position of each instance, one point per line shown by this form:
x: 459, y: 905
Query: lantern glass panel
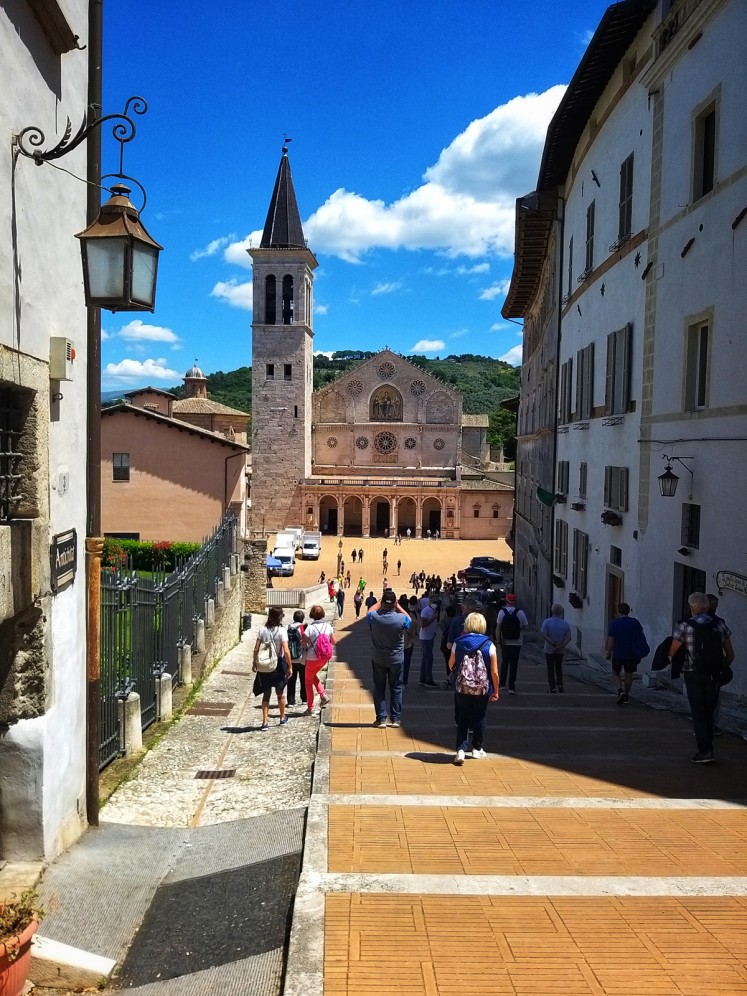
x: 144, y: 263
x: 106, y: 268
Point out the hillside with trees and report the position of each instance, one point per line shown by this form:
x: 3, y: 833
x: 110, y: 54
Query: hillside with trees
x: 482, y: 381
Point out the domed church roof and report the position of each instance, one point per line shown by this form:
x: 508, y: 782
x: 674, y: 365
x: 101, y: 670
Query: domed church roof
x: 195, y: 372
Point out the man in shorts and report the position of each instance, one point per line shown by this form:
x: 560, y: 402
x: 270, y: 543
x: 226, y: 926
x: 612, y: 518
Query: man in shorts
x: 625, y: 643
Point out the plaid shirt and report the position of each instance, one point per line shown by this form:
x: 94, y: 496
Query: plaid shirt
x: 686, y: 635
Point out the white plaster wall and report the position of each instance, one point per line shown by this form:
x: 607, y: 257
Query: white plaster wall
x: 590, y: 318
x: 44, y: 759
x: 711, y: 277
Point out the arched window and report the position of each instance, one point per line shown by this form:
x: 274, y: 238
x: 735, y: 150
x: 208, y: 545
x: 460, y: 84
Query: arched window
x: 270, y: 300
x: 287, y: 299
x: 386, y: 405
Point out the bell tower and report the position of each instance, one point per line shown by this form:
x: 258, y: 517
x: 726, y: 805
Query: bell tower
x: 282, y: 362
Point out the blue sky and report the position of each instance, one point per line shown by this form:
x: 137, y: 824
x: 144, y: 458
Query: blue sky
x: 414, y: 126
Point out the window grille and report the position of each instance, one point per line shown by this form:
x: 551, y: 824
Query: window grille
x: 11, y: 456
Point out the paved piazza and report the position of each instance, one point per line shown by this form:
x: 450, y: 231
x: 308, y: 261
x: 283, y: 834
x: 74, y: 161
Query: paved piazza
x: 443, y: 557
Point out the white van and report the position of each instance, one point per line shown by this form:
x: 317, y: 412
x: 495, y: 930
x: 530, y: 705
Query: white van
x: 286, y: 555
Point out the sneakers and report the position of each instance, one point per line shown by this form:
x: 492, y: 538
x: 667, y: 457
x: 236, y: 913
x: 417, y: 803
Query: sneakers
x: 512, y: 691
x: 551, y: 691
x: 431, y: 684
x: 395, y: 724
x: 459, y: 757
x: 308, y: 712
x: 704, y: 757
x: 264, y: 727
x: 380, y: 724
x: 560, y: 688
x: 283, y: 721
x: 622, y: 697
x: 478, y: 752
x: 324, y: 700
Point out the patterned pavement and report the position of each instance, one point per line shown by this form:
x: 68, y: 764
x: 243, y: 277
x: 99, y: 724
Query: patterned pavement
x: 586, y: 854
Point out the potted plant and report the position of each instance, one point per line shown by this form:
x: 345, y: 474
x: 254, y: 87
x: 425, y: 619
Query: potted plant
x: 558, y: 581
x: 578, y: 506
x: 19, y: 921
x: 610, y: 518
x: 575, y: 599
x: 561, y: 498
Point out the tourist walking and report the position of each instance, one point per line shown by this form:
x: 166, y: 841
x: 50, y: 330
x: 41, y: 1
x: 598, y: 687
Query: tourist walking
x: 474, y: 662
x: 340, y: 602
x: 370, y: 600
x: 272, y: 663
x: 357, y: 602
x: 509, y: 634
x: 399, y: 567
x: 361, y: 585
x: 319, y: 639
x: 388, y: 622
x: 409, y: 532
x: 427, y: 634
x: 354, y: 555
x: 626, y: 645
x: 557, y: 634
x: 295, y: 646
x: 347, y: 579
x: 409, y: 645
x: 360, y: 556
x: 707, y: 641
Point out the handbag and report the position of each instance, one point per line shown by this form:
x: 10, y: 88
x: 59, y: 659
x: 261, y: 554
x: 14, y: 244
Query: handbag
x: 727, y: 675
x: 257, y: 686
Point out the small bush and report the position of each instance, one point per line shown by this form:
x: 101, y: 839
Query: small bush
x: 138, y: 555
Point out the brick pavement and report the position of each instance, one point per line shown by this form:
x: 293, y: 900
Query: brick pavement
x: 586, y: 854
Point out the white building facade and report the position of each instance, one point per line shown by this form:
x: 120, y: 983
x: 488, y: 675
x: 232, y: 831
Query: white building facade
x: 646, y: 159
x: 43, y: 76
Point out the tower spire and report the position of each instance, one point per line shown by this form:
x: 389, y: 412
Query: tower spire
x: 283, y: 228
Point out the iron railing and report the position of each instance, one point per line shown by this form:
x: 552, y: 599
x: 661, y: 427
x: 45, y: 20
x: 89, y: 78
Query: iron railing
x: 145, y: 620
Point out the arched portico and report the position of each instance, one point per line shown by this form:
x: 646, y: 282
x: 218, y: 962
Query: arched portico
x: 353, y: 516
x: 380, y: 516
x: 406, y: 516
x: 431, y: 516
x: 328, y: 515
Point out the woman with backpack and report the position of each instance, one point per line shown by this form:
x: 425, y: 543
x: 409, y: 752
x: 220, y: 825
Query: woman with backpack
x: 475, y: 659
x: 357, y: 602
x: 295, y: 645
x: 272, y: 662
x: 319, y: 639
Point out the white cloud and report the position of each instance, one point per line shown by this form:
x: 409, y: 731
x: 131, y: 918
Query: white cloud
x: 321, y: 309
x: 466, y: 205
x: 460, y: 271
x: 236, y: 252
x: 513, y: 356
x: 458, y: 334
x: 495, y: 290
x: 105, y: 335
x: 238, y: 295
x: 477, y: 268
x: 387, y: 288
x: 126, y: 373
x: 428, y: 346
x: 329, y: 353
x: 138, y: 331
x: 212, y: 247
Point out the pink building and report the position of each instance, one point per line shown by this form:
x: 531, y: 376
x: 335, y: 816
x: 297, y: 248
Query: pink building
x: 169, y: 474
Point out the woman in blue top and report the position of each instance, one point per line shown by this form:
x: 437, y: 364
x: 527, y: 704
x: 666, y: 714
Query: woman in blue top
x: 472, y: 709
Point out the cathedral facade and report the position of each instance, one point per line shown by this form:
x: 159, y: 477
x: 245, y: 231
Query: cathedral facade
x: 384, y: 449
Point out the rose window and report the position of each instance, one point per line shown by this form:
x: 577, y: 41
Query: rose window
x: 385, y: 442
x: 355, y: 388
x: 417, y: 388
x: 386, y: 370
x: 362, y: 443
x: 410, y: 443
x: 438, y: 444
x: 332, y: 442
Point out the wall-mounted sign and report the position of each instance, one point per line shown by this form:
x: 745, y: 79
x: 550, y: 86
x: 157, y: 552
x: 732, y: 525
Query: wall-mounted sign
x: 732, y: 580
x: 64, y: 559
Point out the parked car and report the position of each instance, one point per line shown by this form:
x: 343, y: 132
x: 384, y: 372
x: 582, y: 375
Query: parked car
x: 484, y: 578
x: 491, y: 563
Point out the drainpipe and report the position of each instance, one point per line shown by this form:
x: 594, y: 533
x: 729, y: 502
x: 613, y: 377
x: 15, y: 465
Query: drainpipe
x: 94, y: 541
x: 560, y: 218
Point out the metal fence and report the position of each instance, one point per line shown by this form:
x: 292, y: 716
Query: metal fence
x: 145, y: 620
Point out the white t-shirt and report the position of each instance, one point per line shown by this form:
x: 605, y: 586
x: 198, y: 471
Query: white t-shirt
x: 278, y: 635
x: 313, y: 632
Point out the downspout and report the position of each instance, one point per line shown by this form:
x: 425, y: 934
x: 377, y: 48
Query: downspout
x: 94, y: 540
x: 560, y: 218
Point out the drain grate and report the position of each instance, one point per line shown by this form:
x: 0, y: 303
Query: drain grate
x: 210, y: 709
x: 216, y: 773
